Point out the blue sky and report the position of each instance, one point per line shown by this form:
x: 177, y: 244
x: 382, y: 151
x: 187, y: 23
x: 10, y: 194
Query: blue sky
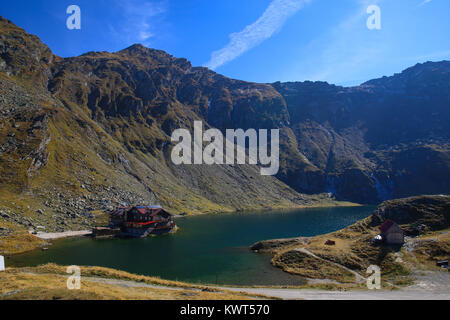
x: 253, y: 40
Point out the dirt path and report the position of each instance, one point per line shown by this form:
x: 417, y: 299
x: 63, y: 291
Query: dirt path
x: 306, y: 294
x: 135, y: 284
x: 431, y: 286
x: 358, y: 277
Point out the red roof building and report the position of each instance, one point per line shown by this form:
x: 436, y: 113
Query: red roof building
x: 142, y: 221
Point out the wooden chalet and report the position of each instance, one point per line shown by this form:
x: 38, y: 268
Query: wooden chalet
x: 142, y: 221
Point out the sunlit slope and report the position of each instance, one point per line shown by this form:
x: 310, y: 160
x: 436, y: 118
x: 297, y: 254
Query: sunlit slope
x: 89, y: 133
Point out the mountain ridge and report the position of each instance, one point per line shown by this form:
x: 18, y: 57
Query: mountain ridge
x: 96, y: 130
x: 92, y: 132
x: 366, y: 125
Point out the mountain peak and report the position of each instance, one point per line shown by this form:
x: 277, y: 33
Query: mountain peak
x: 136, y: 48
x: 427, y: 72
x: 142, y: 52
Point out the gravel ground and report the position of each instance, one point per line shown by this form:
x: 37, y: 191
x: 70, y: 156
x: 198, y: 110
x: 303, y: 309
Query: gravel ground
x: 60, y: 235
x: 430, y: 285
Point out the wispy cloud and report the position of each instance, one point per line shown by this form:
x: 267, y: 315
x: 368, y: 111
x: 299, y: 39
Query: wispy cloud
x: 425, y: 2
x: 139, y: 19
x: 344, y: 53
x: 252, y: 35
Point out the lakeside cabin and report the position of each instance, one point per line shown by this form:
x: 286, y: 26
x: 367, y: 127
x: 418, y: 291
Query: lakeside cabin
x: 139, y: 222
x: 391, y: 233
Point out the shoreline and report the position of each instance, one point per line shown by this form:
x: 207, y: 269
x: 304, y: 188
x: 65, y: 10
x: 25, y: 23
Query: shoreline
x: 38, y: 240
x: 336, y: 204
x: 61, y: 235
x: 312, y: 283
x: 85, y: 233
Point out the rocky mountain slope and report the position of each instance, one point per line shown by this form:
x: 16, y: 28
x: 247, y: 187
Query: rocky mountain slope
x: 90, y: 132
x: 388, y: 138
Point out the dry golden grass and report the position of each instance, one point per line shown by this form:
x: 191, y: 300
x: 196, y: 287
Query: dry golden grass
x: 299, y: 263
x: 430, y: 248
x: 353, y: 250
x: 18, y: 242
x: 49, y: 283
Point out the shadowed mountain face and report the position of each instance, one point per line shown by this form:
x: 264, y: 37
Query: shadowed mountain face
x: 387, y: 138
x: 94, y: 131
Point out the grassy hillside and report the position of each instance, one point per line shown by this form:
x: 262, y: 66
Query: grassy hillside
x: 425, y: 220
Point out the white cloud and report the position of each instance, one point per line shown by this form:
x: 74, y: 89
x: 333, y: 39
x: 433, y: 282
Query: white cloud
x: 273, y: 18
x: 139, y: 19
x: 425, y: 2
x: 145, y: 34
x: 343, y: 53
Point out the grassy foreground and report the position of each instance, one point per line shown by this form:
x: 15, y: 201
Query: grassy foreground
x: 49, y: 282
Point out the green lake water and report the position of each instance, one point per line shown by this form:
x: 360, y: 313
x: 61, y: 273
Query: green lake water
x: 206, y: 249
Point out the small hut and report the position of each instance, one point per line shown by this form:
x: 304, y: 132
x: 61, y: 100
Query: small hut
x: 391, y: 233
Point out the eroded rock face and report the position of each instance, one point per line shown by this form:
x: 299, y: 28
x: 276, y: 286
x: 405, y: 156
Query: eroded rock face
x: 387, y: 138
x: 24, y: 55
x: 24, y: 136
x: 431, y: 212
x: 149, y: 84
x: 39, y: 156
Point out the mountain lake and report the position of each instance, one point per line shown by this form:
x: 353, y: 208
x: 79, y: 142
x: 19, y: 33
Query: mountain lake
x: 206, y: 249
